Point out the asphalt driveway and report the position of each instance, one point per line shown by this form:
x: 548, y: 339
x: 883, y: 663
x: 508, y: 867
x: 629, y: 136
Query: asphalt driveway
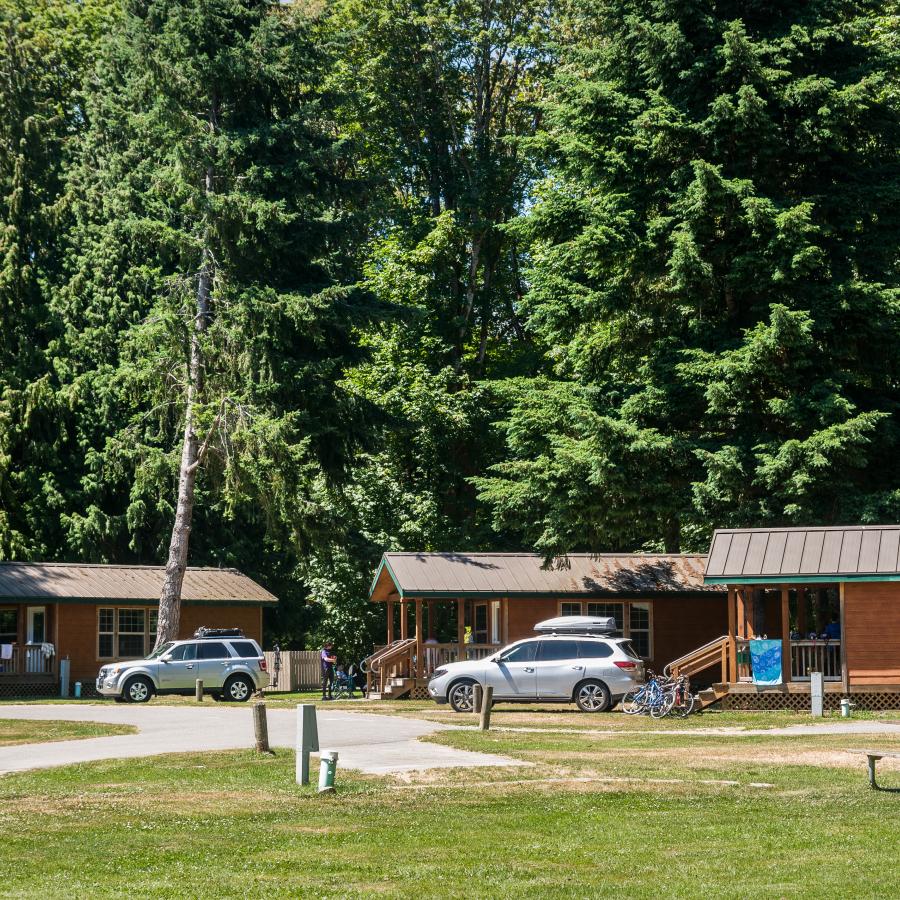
x: 369, y: 743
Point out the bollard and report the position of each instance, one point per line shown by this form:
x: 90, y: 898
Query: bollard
x: 261, y: 727
x: 816, y: 693
x: 487, y: 702
x: 327, y: 769
x: 198, y: 690
x: 845, y: 707
x: 77, y: 690
x: 307, y: 739
x: 476, y: 697
x: 64, y: 677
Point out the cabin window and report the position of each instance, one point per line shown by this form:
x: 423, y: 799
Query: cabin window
x: 9, y: 626
x: 126, y: 632
x: 633, y: 620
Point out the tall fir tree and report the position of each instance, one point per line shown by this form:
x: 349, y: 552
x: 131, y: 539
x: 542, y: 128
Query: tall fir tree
x: 715, y: 270
x: 206, y: 313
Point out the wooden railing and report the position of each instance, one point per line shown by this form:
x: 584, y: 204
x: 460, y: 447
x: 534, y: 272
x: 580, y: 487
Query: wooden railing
x: 27, y: 660
x: 816, y: 656
x: 714, y: 652
x: 393, y: 661
x: 439, y: 654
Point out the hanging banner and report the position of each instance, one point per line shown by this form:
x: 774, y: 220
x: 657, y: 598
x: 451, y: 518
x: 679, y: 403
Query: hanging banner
x: 765, y: 661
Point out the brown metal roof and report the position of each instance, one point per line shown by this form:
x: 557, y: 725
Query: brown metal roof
x: 523, y: 574
x: 845, y: 552
x: 62, y: 581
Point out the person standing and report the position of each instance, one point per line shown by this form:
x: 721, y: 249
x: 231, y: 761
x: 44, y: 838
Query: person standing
x: 328, y: 661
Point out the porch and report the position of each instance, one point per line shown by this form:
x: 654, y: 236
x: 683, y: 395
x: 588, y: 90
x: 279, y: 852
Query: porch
x: 27, y: 652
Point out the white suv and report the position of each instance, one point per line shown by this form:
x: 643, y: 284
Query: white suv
x: 230, y: 665
x: 590, y: 670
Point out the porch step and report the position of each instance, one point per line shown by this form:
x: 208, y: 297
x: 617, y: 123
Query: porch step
x: 395, y: 689
x: 711, y: 695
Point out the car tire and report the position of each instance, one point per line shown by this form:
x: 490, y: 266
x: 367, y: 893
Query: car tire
x: 137, y: 690
x: 460, y: 696
x: 238, y: 689
x: 593, y: 696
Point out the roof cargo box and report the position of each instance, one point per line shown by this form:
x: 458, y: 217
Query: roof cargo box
x: 577, y: 625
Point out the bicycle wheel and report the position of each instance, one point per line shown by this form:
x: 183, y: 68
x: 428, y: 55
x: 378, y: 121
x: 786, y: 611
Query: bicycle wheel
x: 663, y: 706
x: 686, y: 707
x: 633, y: 702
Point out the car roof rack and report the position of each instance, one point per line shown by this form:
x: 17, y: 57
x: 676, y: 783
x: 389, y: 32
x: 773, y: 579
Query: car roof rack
x: 586, y: 625
x: 206, y: 633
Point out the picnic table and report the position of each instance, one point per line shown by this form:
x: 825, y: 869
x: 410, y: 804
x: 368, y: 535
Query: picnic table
x: 873, y: 756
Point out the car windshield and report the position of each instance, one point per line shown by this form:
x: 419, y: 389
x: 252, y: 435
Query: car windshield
x: 163, y: 648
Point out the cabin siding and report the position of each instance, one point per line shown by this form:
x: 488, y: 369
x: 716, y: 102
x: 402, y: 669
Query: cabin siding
x: 872, y: 632
x: 77, y: 629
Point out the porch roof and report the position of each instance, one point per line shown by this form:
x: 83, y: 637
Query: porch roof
x: 61, y: 582
x: 496, y: 575
x: 804, y: 555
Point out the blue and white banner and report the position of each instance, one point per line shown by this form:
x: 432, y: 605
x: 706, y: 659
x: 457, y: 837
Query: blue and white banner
x: 765, y: 661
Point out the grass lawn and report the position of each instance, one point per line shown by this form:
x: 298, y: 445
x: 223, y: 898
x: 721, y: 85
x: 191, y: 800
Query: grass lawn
x: 20, y: 731
x: 611, y: 814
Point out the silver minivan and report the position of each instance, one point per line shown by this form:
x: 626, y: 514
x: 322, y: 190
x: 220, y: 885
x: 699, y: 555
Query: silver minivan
x: 592, y: 670
x: 231, y: 666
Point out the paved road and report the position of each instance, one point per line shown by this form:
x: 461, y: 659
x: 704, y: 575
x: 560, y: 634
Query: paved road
x: 369, y: 743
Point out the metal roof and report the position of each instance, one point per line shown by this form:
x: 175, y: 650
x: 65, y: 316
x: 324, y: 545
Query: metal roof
x: 76, y: 581
x: 524, y: 575
x: 778, y: 554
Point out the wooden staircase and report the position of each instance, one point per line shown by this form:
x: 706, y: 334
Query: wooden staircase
x: 388, y: 670
x: 394, y: 689
x: 714, y: 652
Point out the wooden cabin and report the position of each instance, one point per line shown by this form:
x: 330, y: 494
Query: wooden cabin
x: 96, y: 614
x: 830, y: 595
x: 442, y: 607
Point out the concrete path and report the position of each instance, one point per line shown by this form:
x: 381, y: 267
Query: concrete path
x: 369, y: 743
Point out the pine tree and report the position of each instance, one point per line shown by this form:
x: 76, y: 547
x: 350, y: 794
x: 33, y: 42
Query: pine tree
x: 207, y: 306
x: 714, y: 267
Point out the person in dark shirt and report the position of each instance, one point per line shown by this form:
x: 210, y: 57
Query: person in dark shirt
x: 328, y: 660
x: 833, y: 629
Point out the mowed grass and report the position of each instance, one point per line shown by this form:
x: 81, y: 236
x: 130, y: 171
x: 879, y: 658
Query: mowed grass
x: 20, y: 731
x: 617, y: 814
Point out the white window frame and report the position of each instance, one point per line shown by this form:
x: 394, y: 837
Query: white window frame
x: 626, y: 616
x: 149, y: 633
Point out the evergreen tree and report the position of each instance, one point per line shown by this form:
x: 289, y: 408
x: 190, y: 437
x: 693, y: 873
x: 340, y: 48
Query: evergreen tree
x: 715, y: 271
x: 206, y: 310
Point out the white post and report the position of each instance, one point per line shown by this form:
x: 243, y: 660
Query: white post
x: 64, y: 665
x: 817, y: 692
x: 307, y: 739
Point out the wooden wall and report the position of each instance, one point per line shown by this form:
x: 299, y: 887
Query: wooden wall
x: 872, y: 632
x: 680, y: 624
x: 77, y: 630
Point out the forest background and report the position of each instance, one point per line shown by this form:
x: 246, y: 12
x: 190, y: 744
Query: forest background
x: 588, y: 275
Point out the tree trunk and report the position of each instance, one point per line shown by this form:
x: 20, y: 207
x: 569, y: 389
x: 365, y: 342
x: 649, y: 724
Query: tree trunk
x: 191, y: 456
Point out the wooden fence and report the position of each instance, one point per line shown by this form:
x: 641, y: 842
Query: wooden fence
x: 300, y: 670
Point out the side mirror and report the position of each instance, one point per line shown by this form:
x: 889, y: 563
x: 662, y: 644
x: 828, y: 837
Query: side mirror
x: 166, y: 658
x: 495, y: 659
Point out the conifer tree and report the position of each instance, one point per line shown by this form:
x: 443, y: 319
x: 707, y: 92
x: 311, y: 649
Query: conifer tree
x: 206, y: 309
x: 715, y: 271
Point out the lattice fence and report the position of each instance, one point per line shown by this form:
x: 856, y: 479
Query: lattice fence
x: 16, y: 691
x: 868, y: 700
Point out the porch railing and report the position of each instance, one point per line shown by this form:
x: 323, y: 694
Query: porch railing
x: 438, y: 654
x: 816, y: 656
x: 27, y: 660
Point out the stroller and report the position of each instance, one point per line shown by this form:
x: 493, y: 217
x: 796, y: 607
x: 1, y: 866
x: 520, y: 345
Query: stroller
x: 344, y: 685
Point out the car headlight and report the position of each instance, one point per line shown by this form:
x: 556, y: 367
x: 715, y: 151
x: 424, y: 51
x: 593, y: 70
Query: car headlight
x: 437, y: 673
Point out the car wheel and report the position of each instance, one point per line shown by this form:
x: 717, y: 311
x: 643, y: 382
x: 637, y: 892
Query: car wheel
x: 238, y: 689
x: 138, y: 690
x: 461, y: 696
x: 592, y: 697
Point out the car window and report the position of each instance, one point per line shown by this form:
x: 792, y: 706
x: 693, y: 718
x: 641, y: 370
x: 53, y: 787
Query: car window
x: 522, y: 653
x: 628, y: 649
x: 184, y: 652
x: 551, y: 650
x: 214, y: 650
x: 245, y: 649
x: 594, y: 650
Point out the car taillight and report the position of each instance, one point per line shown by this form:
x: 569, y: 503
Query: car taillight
x: 262, y: 665
x: 625, y: 664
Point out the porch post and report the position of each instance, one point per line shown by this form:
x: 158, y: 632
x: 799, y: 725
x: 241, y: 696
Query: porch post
x: 390, y: 622
x: 785, y: 635
x: 731, y: 674
x: 741, y: 612
x: 419, y: 640
x: 461, y: 627
x: 404, y: 620
x: 845, y: 671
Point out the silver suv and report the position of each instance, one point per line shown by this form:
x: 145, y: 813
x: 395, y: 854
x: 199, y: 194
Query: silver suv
x: 230, y: 665
x: 590, y: 670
